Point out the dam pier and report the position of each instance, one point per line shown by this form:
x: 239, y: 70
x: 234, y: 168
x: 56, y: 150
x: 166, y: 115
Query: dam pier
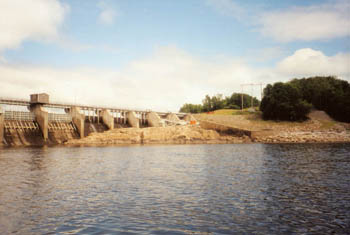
x: 38, y: 121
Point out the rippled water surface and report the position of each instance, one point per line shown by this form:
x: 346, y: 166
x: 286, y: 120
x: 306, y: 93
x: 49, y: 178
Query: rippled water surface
x: 176, y: 189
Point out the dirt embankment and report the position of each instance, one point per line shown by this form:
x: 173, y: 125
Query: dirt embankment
x: 228, y: 129
x: 319, y: 128
x: 189, y: 134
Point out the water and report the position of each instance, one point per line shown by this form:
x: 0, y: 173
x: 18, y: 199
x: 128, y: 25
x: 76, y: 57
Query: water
x: 176, y: 189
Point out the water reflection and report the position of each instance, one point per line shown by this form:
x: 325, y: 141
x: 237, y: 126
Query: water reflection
x: 265, y: 189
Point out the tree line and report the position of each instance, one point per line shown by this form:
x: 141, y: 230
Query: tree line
x: 293, y: 100
x: 220, y: 102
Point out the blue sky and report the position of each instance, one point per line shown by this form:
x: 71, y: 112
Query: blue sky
x: 160, y: 54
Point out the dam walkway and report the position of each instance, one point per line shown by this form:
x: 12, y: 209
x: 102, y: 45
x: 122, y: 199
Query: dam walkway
x: 37, y: 121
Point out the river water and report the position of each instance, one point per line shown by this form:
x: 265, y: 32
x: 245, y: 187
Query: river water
x: 176, y: 189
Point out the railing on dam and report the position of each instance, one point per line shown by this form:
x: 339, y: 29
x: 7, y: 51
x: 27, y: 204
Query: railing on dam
x: 59, y: 121
x: 87, y: 108
x: 19, y: 115
x: 28, y: 116
x: 60, y: 117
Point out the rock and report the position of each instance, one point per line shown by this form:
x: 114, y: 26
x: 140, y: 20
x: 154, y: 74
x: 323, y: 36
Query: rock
x: 170, y: 134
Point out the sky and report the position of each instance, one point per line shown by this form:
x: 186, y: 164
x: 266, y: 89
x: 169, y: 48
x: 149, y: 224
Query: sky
x: 160, y: 54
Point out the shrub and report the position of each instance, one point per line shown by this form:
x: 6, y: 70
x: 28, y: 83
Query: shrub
x: 232, y: 106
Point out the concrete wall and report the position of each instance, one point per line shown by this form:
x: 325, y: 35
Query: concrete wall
x: 224, y: 129
x: 1, y: 126
x: 143, y: 119
x: 28, y: 133
x: 133, y: 120
x: 78, y: 120
x: 154, y: 120
x: 42, y: 118
x: 42, y: 98
x: 173, y: 117
x: 107, y: 119
x: 189, y: 117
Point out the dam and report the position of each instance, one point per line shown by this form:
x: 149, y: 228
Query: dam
x: 37, y: 121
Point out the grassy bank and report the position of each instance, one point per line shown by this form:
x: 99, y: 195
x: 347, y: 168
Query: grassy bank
x: 318, y: 121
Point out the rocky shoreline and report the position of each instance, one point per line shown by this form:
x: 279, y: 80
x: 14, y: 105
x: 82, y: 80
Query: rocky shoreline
x: 306, y: 137
x: 209, y: 129
x: 159, y: 135
x: 194, y: 134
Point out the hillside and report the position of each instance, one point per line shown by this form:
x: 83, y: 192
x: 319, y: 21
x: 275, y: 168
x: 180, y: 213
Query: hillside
x: 318, y: 120
x: 318, y: 128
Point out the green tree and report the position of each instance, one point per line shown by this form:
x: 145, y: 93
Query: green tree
x: 219, y: 102
x: 235, y: 100
x: 329, y: 94
x: 283, y: 101
x: 207, y: 104
x: 191, y: 108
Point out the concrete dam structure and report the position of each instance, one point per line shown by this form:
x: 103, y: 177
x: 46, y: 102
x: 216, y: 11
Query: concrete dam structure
x: 38, y: 122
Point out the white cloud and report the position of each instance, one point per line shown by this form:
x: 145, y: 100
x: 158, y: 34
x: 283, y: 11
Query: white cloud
x: 176, y: 77
x: 29, y: 20
x: 164, y: 80
x: 307, y: 62
x: 316, y: 22
x: 107, y: 14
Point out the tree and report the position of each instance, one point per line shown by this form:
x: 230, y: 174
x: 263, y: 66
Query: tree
x: 329, y: 94
x: 283, y: 101
x: 191, y: 108
x: 207, y: 104
x: 219, y: 102
x: 235, y: 100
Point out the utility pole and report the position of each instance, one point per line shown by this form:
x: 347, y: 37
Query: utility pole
x: 252, y: 85
x: 251, y: 102
x: 242, y: 97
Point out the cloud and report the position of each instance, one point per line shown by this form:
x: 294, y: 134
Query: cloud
x: 315, y: 22
x: 164, y: 80
x: 107, y: 14
x: 308, y: 62
x: 29, y: 20
x: 307, y: 23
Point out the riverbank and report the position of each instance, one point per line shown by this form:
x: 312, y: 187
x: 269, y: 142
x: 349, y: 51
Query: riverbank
x: 195, y: 134
x: 210, y: 129
x: 189, y: 134
x: 303, y: 137
x: 319, y: 128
